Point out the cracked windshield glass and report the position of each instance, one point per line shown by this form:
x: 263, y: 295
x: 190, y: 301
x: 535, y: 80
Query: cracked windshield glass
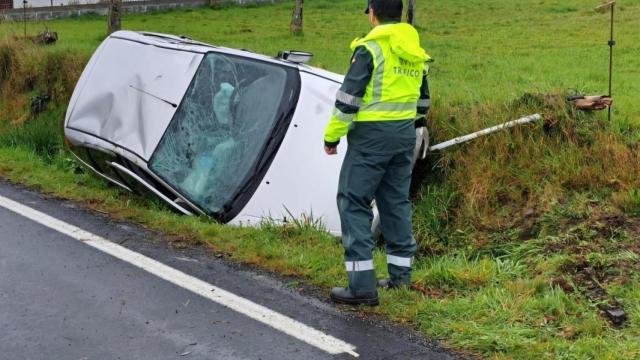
x: 218, y: 133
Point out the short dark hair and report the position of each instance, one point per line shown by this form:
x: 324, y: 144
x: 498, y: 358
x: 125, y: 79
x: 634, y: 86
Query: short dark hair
x: 387, y: 10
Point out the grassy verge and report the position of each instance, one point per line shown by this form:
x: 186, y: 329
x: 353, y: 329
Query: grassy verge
x: 516, y: 231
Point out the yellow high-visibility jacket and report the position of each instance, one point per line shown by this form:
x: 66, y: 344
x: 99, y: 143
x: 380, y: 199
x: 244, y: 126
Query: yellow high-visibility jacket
x: 394, y: 89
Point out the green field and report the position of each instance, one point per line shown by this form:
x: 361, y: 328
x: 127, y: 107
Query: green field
x: 514, y: 229
x: 485, y: 50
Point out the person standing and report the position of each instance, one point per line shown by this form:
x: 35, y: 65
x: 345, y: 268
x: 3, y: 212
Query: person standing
x: 384, y: 97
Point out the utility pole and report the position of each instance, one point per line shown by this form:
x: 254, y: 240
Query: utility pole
x: 411, y: 11
x: 115, y: 14
x: 296, y: 20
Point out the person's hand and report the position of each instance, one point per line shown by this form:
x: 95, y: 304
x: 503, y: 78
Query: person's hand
x: 331, y: 150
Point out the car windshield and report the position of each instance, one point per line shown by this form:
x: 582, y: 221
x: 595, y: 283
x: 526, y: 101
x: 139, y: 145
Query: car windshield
x: 223, y: 129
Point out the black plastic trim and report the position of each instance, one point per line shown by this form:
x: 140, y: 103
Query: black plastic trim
x: 318, y: 75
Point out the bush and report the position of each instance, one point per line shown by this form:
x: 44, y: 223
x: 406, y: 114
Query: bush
x: 7, y: 58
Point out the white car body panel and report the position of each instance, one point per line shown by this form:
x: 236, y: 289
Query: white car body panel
x: 302, y: 180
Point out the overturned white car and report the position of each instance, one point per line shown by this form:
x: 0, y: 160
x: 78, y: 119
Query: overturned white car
x: 221, y: 132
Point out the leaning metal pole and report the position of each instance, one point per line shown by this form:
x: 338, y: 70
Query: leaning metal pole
x: 491, y: 130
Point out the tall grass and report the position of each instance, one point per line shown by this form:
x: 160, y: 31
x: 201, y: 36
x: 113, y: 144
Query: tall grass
x: 28, y: 71
x: 42, y: 134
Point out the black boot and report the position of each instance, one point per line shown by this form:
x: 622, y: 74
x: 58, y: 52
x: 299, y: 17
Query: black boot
x: 388, y: 284
x: 349, y: 297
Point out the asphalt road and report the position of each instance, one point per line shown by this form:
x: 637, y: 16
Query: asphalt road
x: 62, y: 299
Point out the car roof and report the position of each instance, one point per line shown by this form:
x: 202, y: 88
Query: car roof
x: 184, y: 43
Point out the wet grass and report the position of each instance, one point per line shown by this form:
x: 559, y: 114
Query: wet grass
x: 513, y: 229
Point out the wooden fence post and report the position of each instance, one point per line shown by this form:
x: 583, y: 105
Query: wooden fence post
x: 115, y: 15
x: 296, y: 20
x: 411, y: 12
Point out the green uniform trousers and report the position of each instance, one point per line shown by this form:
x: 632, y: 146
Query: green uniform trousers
x: 387, y: 178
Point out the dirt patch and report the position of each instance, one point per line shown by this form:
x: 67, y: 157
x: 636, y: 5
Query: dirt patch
x: 587, y: 280
x: 562, y: 283
x: 600, y: 233
x: 430, y: 292
x: 597, y: 245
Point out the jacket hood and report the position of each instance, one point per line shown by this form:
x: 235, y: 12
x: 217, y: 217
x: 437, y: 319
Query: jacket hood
x: 403, y: 39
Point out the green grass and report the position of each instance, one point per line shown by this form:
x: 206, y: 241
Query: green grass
x: 484, y: 50
x: 506, y: 225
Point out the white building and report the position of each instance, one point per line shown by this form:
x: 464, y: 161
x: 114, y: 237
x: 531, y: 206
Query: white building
x: 17, y: 4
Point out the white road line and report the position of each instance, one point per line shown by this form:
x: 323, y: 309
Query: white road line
x: 234, y: 302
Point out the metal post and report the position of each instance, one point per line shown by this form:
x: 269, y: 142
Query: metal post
x: 609, y: 4
x: 612, y: 43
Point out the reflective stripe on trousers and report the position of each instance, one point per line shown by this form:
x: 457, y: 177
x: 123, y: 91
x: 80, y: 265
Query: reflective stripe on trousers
x: 366, y: 265
x: 399, y: 261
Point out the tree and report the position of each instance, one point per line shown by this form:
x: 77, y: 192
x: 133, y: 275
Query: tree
x: 411, y: 11
x: 296, y: 20
x: 115, y: 13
